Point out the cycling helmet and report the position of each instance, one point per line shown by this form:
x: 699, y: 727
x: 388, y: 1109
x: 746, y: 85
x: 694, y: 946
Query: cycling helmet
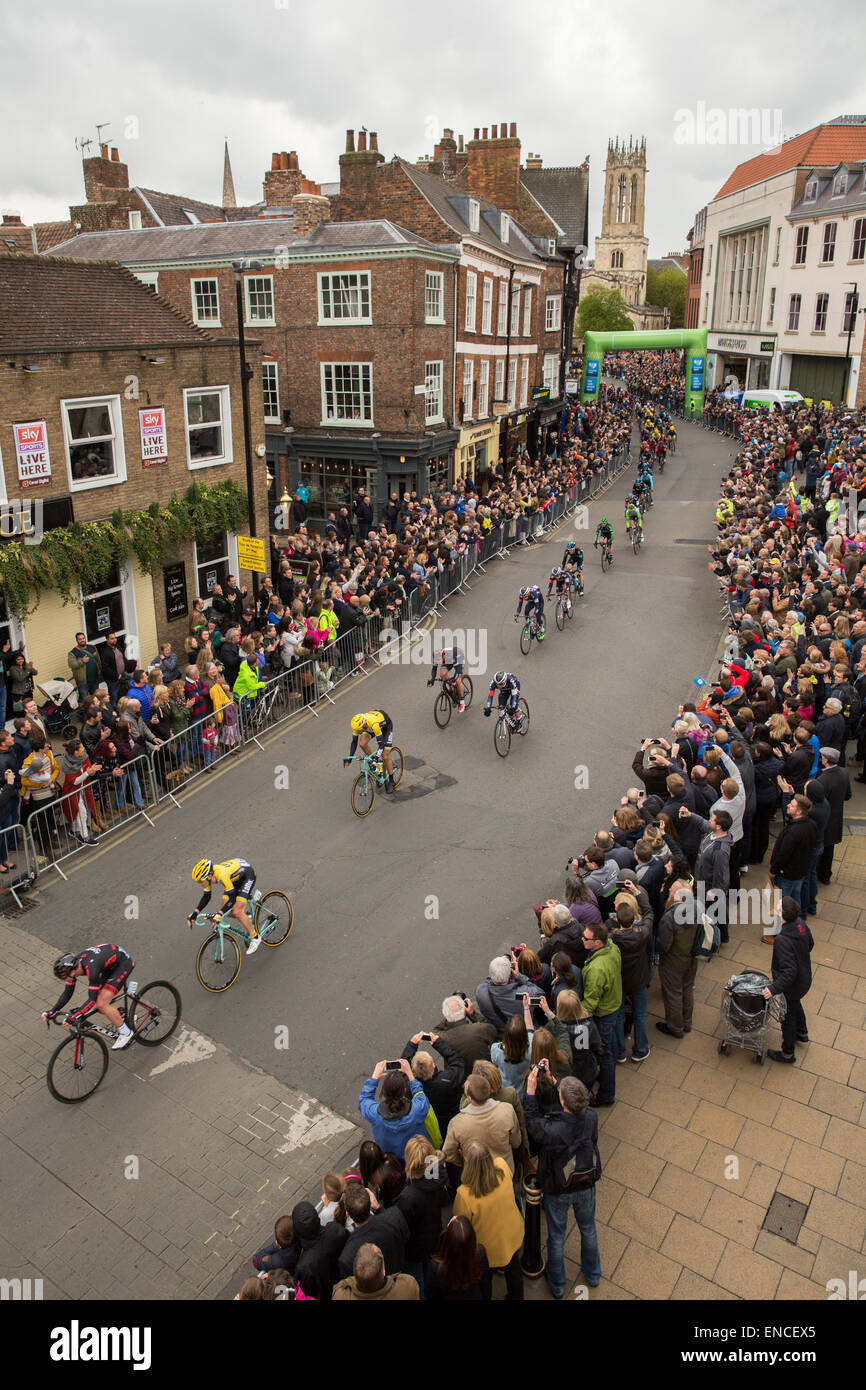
x: 570, y: 545
x: 357, y: 724
x: 202, y: 870
x: 499, y: 679
x: 64, y: 965
x: 555, y: 572
x: 523, y: 591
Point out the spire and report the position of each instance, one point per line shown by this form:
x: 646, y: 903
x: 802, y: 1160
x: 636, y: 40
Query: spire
x: 228, y: 182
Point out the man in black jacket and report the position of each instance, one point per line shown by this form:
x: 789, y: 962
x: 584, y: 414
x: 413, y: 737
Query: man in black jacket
x: 633, y: 935
x: 230, y: 655
x: 837, y: 785
x: 318, y: 1248
x: 792, y: 976
x: 112, y: 663
x: 443, y: 1088
x: 792, y: 852
x: 469, y: 1036
x: 567, y: 1148
x: 387, y: 1228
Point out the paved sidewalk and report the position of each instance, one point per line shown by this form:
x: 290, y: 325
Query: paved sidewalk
x: 671, y: 1224
x: 220, y: 1149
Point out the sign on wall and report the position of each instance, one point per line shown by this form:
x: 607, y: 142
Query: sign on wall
x: 174, y: 580
x: 154, y: 445
x: 31, y: 449
x: 251, y: 554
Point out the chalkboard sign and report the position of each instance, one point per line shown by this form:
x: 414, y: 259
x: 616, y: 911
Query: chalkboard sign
x: 176, y: 604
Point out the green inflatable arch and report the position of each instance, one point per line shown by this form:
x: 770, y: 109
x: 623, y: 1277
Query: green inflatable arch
x: 694, y: 340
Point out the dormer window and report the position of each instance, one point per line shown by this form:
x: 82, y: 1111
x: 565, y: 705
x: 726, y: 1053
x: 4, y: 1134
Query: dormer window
x: 840, y: 183
x: 551, y: 246
x: 811, y: 191
x: 504, y: 224
x: 474, y: 214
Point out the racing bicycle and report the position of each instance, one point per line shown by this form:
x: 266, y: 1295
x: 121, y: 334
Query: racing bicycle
x: 528, y: 633
x: 218, y: 962
x: 636, y: 535
x: 79, y: 1063
x: 509, y: 723
x: 448, y: 698
x: 373, y: 774
x: 606, y: 553
x: 564, y: 607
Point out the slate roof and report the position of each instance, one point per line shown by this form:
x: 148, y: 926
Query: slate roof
x: 169, y: 208
x: 825, y: 145
x: 852, y: 200
x: 453, y: 208
x: 563, y: 194
x: 53, y: 305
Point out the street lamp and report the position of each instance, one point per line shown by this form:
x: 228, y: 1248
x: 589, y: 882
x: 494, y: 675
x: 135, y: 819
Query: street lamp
x: 246, y: 375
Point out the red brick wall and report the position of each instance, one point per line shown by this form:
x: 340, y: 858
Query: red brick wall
x: 493, y: 171
x: 104, y: 179
x: 369, y: 189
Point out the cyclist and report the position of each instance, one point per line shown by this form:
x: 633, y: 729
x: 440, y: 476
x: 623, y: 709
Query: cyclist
x: 381, y: 726
x: 534, y: 599
x: 633, y: 517
x: 508, y: 688
x: 237, y: 878
x: 450, y: 663
x: 560, y: 578
x: 605, y: 531
x: 107, y: 969
x: 572, y: 562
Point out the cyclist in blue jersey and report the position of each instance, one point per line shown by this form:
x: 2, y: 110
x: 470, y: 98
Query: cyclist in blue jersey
x: 532, y: 596
x: 507, y: 687
x: 572, y: 563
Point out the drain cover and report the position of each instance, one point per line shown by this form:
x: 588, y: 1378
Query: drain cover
x: 785, y: 1217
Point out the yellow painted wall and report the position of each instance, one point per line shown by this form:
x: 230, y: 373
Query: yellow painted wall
x: 147, y: 636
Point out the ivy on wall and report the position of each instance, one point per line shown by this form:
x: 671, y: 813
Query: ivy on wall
x: 84, y: 553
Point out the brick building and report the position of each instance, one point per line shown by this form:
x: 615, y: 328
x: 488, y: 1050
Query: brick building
x: 111, y: 399
x: 695, y: 269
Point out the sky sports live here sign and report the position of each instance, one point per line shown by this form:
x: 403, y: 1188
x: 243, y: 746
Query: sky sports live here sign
x: 31, y: 451
x: 154, y: 443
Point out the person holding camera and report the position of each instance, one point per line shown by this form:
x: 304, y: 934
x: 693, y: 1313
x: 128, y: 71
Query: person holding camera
x: 469, y: 1036
x: 568, y: 1169
x: 397, y: 1109
x: 442, y: 1088
x: 602, y: 997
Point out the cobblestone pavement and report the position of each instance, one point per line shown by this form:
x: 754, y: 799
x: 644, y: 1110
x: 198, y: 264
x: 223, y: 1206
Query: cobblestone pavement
x: 162, y: 1183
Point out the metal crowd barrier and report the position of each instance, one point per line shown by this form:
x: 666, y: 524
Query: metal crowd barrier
x: 61, y: 828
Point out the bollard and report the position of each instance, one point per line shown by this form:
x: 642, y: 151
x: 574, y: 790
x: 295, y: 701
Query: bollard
x: 532, y: 1262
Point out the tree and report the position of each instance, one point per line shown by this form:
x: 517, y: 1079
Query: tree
x: 601, y: 310
x: 666, y: 289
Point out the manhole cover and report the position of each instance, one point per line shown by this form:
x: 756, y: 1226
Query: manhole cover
x: 785, y: 1217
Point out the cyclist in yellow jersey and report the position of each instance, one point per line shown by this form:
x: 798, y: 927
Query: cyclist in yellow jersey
x: 237, y: 879
x: 380, y: 725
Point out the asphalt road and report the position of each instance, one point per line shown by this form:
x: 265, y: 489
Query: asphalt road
x: 393, y: 912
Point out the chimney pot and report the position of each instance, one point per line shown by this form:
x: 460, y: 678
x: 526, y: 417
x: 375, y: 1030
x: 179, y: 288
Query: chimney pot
x: 460, y: 143
x: 484, y: 132
x: 103, y: 150
x: 275, y: 162
x: 475, y: 136
x: 362, y: 140
x: 350, y: 142
x: 374, y: 141
x: 513, y: 130
x: 115, y: 156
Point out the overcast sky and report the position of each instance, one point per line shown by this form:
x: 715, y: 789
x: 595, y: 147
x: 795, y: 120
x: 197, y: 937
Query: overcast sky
x: 280, y: 74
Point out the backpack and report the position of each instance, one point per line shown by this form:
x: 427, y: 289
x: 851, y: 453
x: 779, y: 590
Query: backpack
x: 581, y: 1168
x: 708, y: 938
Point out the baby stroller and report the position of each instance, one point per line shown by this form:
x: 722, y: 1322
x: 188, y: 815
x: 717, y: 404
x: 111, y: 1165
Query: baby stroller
x: 747, y: 1013
x: 61, y: 698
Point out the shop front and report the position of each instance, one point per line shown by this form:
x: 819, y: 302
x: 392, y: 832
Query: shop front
x: 333, y: 470
x: 741, y: 362
x: 476, y: 451
x: 513, y: 432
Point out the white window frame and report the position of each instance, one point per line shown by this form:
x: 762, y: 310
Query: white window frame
x: 801, y: 245
x: 504, y: 227
x: 333, y: 421
x: 771, y: 308
x: 778, y: 251
x: 847, y: 310
x: 511, y: 394
x: 502, y: 315
x: 551, y: 365
x: 271, y: 368
x: 196, y: 316
x: 471, y: 297
x: 474, y: 214
x: 231, y: 556
x: 134, y: 220
x: 227, y: 456
x: 524, y: 382
x: 810, y: 192
x: 819, y: 307
x: 551, y: 246
x: 515, y: 310
x: 487, y: 305
x: 260, y: 320
x: 434, y: 393
x: 709, y: 258
x: 794, y: 313
x: 484, y: 388
x: 126, y: 589
x: 499, y: 380
x: 861, y: 223
x: 825, y: 259
x: 113, y: 403
x: 434, y: 286
x: 527, y: 311
x: 553, y: 313
x: 363, y: 279
x: 149, y: 278
x: 468, y: 384
x: 840, y: 184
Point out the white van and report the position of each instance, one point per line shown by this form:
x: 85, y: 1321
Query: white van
x: 785, y: 399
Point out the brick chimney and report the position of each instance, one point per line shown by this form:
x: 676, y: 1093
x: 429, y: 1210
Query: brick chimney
x: 533, y: 161
x: 493, y: 167
x: 309, y: 211
x: 445, y: 153
x: 358, y: 195
x: 104, y: 176
x: 283, y: 180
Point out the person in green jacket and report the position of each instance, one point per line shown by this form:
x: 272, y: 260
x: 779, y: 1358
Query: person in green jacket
x: 248, y: 682
x: 602, y: 997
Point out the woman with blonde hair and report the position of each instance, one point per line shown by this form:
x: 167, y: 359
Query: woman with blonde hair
x: 422, y: 1202
x: 486, y: 1198
x: 583, y: 1035
x: 550, y: 1048
x: 500, y: 1090
x: 627, y: 826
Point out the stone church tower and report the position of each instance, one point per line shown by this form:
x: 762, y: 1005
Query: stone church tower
x: 621, y: 250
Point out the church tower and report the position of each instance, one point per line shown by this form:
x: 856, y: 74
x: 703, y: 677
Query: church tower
x: 621, y: 250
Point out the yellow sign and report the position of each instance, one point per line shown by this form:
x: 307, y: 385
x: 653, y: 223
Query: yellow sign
x: 251, y: 554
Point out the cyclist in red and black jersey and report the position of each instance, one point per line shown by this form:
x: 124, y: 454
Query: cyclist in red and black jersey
x: 107, y: 969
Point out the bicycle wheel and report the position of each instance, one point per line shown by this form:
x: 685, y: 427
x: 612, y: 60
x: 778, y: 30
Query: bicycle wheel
x: 363, y: 794
x: 569, y: 612
x: 502, y: 737
x: 467, y: 691
x: 75, y: 1074
x: 635, y: 540
x: 442, y: 709
x: 525, y: 640
x: 398, y: 764
x: 605, y: 558
x: 154, y: 1013
x: 217, y: 969
x: 560, y: 615
x: 524, y: 716
x: 275, y: 906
